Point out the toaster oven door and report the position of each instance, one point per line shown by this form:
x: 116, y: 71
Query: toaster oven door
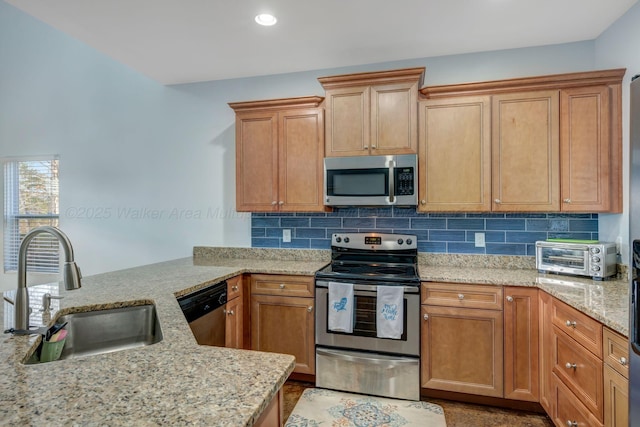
x: 574, y: 260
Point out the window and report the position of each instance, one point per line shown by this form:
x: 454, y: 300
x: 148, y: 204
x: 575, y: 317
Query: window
x: 31, y: 200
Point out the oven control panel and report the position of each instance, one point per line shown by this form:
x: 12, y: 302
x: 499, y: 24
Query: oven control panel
x: 374, y: 241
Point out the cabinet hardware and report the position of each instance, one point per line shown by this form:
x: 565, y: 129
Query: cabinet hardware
x: 510, y: 298
x: 460, y: 296
x: 229, y: 312
x: 234, y: 288
x: 570, y: 365
x: 273, y: 203
x: 572, y: 423
x: 571, y: 324
x: 623, y: 361
x: 373, y: 147
x: 310, y: 308
x: 423, y: 202
x: 281, y: 285
x: 498, y: 201
x: 425, y: 317
x: 281, y: 203
x: 366, y: 147
x: 567, y: 200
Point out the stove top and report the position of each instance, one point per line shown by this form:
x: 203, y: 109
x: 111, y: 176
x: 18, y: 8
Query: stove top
x: 373, y: 257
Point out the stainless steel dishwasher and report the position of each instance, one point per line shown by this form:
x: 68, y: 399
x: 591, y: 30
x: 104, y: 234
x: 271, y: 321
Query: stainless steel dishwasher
x: 205, y: 312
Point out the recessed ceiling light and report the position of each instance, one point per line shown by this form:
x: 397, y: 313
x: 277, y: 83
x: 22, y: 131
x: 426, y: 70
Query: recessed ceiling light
x: 266, y: 19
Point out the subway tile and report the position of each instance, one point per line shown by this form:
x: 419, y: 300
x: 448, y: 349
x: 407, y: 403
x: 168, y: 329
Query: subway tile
x: 489, y: 236
x: 265, y: 222
x: 524, y: 236
x: 485, y: 215
x: 552, y: 224
x: 274, y: 232
x: 463, y: 248
x: 465, y: 224
x: 429, y: 223
x: 434, y: 247
x: 420, y: 234
x: 331, y: 231
x: 526, y: 215
x: 375, y: 230
x: 312, y: 233
x: 294, y: 222
x: 344, y: 212
x: 311, y: 214
x: 374, y: 212
x: 583, y: 225
x: 531, y: 250
x: 358, y: 222
x: 399, y: 212
x: 278, y: 214
x: 392, y: 222
x: 579, y: 236
x: 505, y: 224
x: 326, y: 222
x: 259, y: 242
x: 505, y: 249
x: 297, y: 243
x: 258, y: 232
x: 446, y: 215
x: 320, y: 243
x: 447, y: 235
x: 570, y: 215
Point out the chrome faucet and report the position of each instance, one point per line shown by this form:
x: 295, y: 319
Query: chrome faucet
x: 71, y: 273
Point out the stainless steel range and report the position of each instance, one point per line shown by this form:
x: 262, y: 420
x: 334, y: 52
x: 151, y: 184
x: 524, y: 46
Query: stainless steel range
x: 375, y: 349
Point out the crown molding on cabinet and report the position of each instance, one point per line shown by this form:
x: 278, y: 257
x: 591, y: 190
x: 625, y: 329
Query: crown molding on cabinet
x: 277, y: 104
x: 374, y: 78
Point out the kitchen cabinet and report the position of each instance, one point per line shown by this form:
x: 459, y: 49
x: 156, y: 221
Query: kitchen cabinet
x: 279, y: 155
x: 616, y: 379
x: 547, y: 397
x: 462, y: 340
x: 521, y: 350
x: 454, y: 167
x: 283, y: 318
x: 234, y: 327
x: 555, y: 144
x: 372, y: 113
x: 273, y: 415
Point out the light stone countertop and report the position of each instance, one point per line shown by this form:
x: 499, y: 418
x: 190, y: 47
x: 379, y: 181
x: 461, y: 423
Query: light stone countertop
x: 176, y: 381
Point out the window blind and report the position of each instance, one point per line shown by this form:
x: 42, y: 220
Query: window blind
x: 31, y: 199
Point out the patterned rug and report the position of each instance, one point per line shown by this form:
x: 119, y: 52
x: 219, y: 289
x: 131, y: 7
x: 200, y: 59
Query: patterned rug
x: 327, y: 408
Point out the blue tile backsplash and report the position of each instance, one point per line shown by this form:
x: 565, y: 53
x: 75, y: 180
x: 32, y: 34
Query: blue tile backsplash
x: 504, y: 233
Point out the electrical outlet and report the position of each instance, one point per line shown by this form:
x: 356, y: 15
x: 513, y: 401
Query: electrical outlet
x: 479, y: 240
x: 286, y: 235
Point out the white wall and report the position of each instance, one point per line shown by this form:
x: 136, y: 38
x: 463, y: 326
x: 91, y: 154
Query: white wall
x: 130, y: 146
x: 619, y: 47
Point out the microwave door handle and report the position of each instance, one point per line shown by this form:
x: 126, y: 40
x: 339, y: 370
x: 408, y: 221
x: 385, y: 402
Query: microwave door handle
x: 392, y: 185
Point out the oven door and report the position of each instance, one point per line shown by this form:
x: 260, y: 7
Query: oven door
x: 364, y: 336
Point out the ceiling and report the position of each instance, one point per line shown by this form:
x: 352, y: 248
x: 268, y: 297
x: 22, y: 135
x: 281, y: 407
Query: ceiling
x: 181, y: 41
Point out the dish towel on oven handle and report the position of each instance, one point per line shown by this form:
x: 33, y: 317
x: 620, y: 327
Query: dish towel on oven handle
x: 341, y: 307
x: 390, y: 311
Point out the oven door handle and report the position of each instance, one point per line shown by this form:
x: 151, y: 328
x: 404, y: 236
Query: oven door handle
x: 371, y: 288
x: 377, y: 359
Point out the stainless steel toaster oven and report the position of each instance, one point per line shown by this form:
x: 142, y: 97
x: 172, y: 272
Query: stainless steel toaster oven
x: 597, y: 260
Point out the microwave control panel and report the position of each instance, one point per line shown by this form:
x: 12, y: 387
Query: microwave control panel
x: 404, y: 181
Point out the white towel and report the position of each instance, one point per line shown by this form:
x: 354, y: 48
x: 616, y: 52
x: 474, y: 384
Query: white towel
x: 390, y: 312
x: 341, y: 307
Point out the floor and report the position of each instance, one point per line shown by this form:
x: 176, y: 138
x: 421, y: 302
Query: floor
x: 456, y: 414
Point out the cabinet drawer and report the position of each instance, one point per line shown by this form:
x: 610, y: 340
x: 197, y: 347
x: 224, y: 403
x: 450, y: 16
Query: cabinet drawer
x: 616, y: 351
x: 568, y: 410
x: 580, y: 370
x: 273, y: 284
x: 578, y: 326
x: 234, y: 287
x: 459, y: 295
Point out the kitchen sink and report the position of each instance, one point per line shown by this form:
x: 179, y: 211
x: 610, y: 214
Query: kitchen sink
x: 106, y: 331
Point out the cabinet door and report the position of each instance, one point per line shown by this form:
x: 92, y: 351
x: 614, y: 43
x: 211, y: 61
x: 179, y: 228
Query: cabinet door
x: 616, y: 398
x: 585, y: 143
x: 521, y: 354
x: 461, y: 350
x: 301, y: 154
x: 455, y: 154
x: 546, y: 349
x: 525, y: 146
x: 348, y: 112
x: 394, y: 115
x: 234, y: 323
x: 284, y: 325
x: 256, y: 161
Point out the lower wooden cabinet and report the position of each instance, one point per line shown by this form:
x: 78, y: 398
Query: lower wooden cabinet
x: 282, y: 324
x: 461, y: 350
x: 234, y: 324
x: 273, y: 415
x: 616, y: 379
x: 569, y: 411
x: 547, y: 398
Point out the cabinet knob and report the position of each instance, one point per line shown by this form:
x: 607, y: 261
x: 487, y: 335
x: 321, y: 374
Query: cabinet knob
x: 460, y: 297
x: 310, y: 308
x: 570, y: 323
x: 234, y: 288
x: 281, y: 285
x: 572, y: 423
x: 366, y: 147
x: 423, y: 202
x: 623, y: 361
x: 373, y: 147
x: 425, y: 317
x: 570, y: 365
x: 567, y: 200
x: 510, y: 298
x: 230, y: 312
x: 273, y: 203
x: 281, y: 203
x: 498, y: 201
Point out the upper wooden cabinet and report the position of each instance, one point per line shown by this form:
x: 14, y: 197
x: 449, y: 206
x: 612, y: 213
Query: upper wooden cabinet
x: 279, y: 155
x: 372, y: 113
x: 555, y: 144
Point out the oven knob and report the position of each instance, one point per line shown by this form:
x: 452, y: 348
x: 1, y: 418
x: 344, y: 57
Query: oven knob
x: 595, y: 250
x: 338, y: 239
x: 400, y: 241
x: 346, y: 240
x: 409, y: 241
x: 595, y: 259
x: 595, y: 268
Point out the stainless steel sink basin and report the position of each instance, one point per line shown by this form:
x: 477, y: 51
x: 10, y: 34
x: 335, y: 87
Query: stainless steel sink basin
x: 106, y: 331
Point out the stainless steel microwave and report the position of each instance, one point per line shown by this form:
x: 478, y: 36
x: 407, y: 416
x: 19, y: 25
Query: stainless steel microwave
x: 371, y: 181
x: 596, y: 260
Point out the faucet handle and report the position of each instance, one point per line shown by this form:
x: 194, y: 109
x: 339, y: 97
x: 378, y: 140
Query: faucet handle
x: 46, y: 301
